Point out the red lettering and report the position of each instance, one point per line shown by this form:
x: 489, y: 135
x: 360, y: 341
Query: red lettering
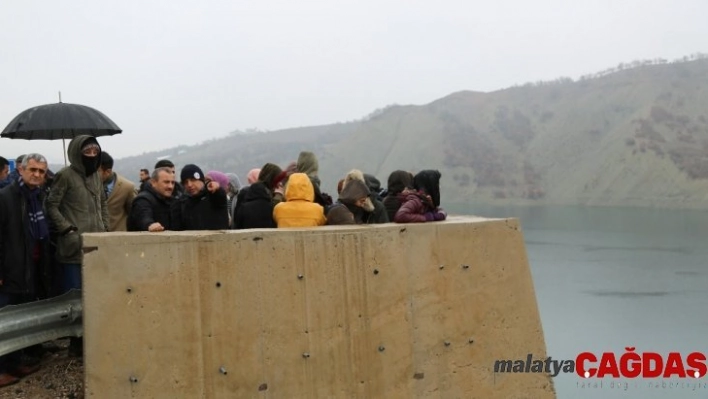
x: 580, y: 365
x: 647, y: 370
x: 608, y: 365
x: 674, y: 365
x: 696, y: 361
x: 630, y: 364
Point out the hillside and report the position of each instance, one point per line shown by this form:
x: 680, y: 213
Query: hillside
x: 637, y: 136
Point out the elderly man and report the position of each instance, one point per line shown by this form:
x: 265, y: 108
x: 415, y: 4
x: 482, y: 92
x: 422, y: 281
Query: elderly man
x: 120, y: 193
x: 25, y: 260
x: 151, y: 208
x: 203, y: 205
x: 77, y: 204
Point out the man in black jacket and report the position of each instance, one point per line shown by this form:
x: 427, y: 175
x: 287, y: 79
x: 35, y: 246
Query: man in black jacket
x: 203, y: 205
x: 24, y: 250
x: 151, y: 209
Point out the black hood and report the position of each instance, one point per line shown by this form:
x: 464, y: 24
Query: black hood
x: 257, y: 191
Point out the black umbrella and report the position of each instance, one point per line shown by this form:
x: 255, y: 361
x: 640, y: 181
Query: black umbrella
x: 59, y: 121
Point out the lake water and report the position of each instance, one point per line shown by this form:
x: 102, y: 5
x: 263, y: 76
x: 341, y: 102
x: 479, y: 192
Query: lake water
x: 610, y: 278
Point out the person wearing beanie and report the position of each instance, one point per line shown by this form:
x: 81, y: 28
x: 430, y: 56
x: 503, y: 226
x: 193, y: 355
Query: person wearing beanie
x: 299, y: 210
x: 398, y: 181
x: 422, y: 204
x: 203, y: 205
x: 77, y: 204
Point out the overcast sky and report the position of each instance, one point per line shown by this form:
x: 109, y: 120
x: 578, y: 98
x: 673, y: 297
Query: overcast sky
x: 178, y: 72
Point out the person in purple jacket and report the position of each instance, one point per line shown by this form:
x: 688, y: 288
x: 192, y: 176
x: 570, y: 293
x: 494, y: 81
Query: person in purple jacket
x: 422, y: 204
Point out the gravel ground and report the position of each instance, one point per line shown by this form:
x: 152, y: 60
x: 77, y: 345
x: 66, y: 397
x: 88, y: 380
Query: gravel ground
x: 60, y: 377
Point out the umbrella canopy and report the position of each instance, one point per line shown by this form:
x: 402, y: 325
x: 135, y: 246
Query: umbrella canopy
x: 59, y: 121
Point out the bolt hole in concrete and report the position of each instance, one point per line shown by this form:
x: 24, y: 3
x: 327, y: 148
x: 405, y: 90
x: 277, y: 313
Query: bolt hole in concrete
x: 129, y: 290
x: 218, y: 284
x: 263, y: 387
x: 376, y: 271
x: 419, y: 376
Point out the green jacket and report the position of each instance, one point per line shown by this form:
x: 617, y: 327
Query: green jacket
x: 77, y: 203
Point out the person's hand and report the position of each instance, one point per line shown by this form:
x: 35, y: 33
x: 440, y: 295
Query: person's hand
x: 212, y: 186
x: 155, y: 227
x: 429, y: 216
x: 439, y: 215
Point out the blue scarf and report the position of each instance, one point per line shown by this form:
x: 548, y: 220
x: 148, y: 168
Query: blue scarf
x: 39, y: 229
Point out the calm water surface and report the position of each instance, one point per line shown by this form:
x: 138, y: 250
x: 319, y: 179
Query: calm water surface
x: 607, y: 278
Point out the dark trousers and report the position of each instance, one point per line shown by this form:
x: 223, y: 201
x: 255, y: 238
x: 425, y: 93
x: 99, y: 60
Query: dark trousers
x: 14, y: 359
x: 71, y: 276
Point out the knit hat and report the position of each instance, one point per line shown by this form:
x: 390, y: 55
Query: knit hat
x: 220, y: 178
x: 191, y: 171
x: 91, y: 145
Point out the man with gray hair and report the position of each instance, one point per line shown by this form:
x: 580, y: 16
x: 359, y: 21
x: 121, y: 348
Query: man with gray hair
x: 25, y: 260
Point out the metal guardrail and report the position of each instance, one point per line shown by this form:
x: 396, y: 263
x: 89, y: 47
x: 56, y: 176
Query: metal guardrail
x: 33, y: 323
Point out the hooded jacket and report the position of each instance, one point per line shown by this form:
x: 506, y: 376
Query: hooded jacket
x: 76, y: 203
x: 398, y: 181
x: 299, y: 210
x: 254, y: 209
x: 378, y: 215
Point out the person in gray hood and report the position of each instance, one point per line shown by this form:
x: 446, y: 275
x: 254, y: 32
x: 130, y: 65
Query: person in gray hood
x: 77, y: 204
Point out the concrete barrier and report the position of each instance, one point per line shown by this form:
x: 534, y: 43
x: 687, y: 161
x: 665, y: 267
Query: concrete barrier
x: 385, y: 311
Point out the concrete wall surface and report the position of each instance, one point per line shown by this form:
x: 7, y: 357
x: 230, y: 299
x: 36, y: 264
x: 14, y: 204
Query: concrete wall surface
x: 385, y: 311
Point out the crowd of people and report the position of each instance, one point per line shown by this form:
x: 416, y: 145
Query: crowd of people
x: 44, y: 214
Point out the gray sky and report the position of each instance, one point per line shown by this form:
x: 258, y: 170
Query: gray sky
x: 179, y: 72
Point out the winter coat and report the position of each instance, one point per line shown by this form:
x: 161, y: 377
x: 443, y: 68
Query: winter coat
x: 77, y: 203
x: 299, y: 210
x: 254, y: 209
x: 204, y: 211
x: 17, y: 271
x: 149, y: 207
x: 417, y: 208
x: 119, y: 202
